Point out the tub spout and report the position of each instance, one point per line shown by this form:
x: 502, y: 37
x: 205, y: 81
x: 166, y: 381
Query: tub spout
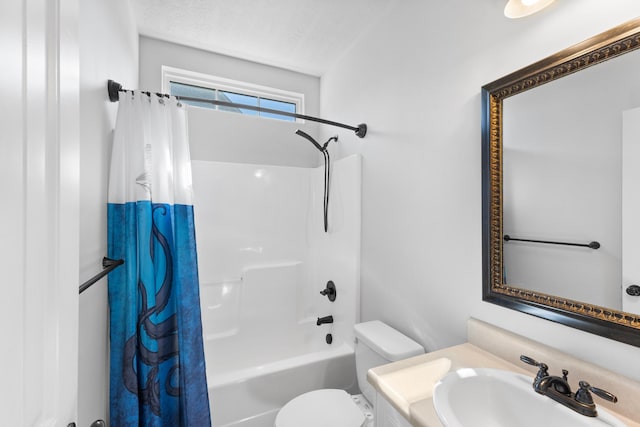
x: 325, y: 319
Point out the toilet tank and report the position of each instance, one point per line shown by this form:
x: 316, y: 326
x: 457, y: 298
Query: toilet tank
x: 378, y: 344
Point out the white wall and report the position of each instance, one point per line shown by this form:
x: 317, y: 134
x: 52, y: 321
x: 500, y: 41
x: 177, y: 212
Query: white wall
x: 108, y: 50
x: 231, y: 137
x: 415, y: 79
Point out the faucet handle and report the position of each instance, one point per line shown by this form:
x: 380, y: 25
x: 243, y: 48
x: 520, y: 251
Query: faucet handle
x: 544, y: 369
x: 583, y: 395
x: 528, y: 360
x: 329, y: 291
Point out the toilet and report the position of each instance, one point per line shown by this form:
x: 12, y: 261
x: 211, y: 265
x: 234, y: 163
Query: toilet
x: 376, y: 344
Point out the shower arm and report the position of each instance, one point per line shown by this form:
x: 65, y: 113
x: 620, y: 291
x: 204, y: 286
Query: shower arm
x: 114, y: 89
x: 333, y: 138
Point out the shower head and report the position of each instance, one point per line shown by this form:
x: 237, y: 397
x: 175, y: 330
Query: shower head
x: 307, y: 136
x: 322, y: 148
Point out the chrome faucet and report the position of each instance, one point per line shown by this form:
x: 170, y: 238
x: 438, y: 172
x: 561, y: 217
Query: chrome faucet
x: 558, y: 389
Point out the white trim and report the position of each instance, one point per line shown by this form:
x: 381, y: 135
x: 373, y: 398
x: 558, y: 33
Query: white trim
x: 39, y: 255
x: 194, y: 78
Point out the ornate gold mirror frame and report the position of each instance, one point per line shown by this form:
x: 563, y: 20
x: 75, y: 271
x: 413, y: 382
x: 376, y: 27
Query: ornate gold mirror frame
x: 603, y: 321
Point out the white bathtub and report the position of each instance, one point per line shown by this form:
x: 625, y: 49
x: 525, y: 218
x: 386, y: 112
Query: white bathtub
x: 260, y: 353
x: 263, y: 257
x: 251, y: 396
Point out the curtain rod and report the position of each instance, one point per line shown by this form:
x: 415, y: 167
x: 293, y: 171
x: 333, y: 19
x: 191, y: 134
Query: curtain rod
x: 114, y: 89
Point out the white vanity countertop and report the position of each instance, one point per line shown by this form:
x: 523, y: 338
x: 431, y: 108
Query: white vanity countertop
x: 408, y: 384
x: 397, y: 381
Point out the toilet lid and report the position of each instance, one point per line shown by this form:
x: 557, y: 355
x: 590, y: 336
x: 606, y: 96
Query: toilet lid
x: 321, y: 408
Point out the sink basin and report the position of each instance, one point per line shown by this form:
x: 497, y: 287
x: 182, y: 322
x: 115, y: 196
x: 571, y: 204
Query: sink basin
x: 492, y: 397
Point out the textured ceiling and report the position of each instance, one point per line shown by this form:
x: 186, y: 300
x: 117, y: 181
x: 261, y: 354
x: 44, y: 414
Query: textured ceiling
x: 301, y: 35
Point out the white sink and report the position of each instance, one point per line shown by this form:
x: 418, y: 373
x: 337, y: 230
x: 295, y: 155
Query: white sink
x: 492, y: 397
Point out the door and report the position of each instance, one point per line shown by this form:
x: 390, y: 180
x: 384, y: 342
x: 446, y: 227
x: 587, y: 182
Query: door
x: 630, y: 209
x: 39, y: 212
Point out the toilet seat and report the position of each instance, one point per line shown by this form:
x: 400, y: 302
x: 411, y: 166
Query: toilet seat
x: 321, y: 408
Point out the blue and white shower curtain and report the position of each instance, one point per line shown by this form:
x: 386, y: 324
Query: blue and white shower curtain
x: 157, y: 360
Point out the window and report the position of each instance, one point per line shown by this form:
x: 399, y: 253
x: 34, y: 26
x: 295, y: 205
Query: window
x: 196, y: 85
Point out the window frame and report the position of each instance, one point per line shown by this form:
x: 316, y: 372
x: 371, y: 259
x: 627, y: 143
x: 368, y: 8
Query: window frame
x: 193, y: 78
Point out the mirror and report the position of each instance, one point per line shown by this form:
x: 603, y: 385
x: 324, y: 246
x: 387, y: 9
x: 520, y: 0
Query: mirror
x: 557, y: 199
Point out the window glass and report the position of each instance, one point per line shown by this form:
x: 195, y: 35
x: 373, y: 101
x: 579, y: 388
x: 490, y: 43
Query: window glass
x: 184, y: 83
x: 238, y: 98
x: 272, y: 104
x: 181, y: 89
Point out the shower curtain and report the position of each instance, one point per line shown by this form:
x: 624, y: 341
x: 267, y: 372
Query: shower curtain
x: 157, y: 359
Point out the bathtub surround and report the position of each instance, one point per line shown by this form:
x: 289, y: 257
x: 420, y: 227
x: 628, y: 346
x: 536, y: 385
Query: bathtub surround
x: 157, y: 361
x: 264, y: 258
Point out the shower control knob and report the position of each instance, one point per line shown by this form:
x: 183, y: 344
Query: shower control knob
x: 330, y: 291
x: 633, y: 290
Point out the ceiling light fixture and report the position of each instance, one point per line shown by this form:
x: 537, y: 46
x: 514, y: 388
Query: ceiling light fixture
x: 522, y: 8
